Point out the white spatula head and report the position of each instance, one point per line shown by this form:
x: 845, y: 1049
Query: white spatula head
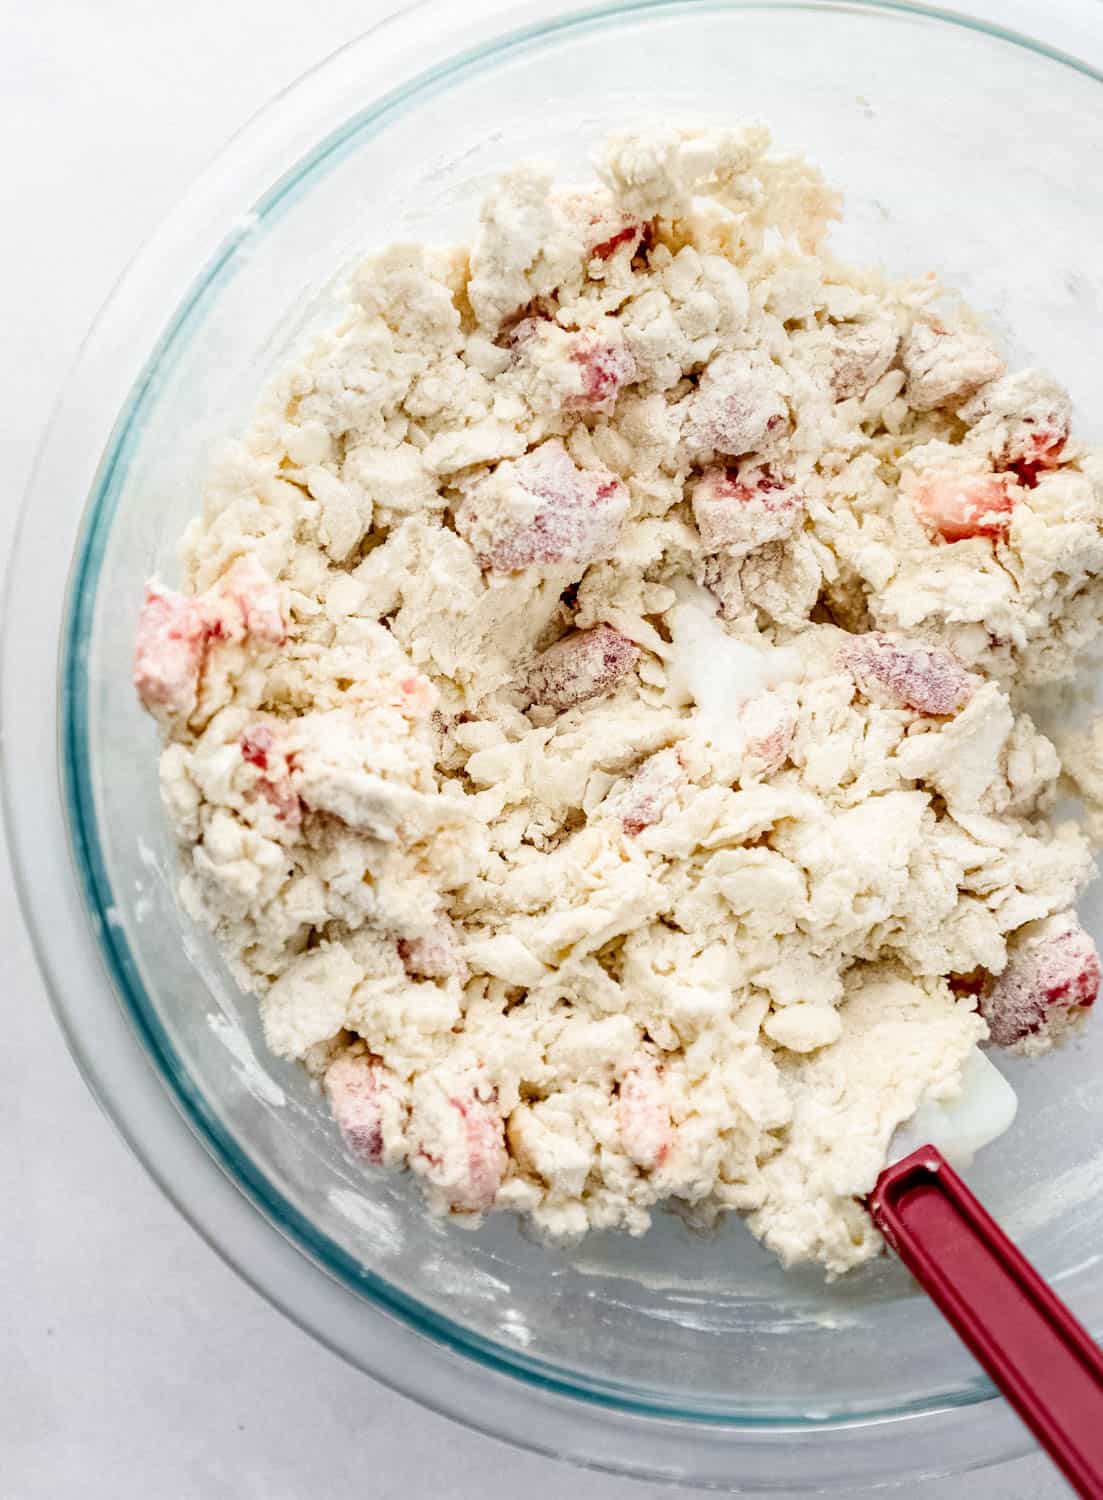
x: 959, y: 1127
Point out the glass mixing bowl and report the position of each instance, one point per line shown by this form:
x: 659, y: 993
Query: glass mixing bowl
x: 960, y: 147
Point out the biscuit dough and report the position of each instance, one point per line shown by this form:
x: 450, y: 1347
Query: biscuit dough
x: 592, y: 723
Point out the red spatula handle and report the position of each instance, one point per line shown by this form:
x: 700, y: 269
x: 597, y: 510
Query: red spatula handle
x: 1042, y: 1359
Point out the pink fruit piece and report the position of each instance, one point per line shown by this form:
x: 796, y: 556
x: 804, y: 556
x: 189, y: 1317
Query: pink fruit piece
x: 355, y: 1085
x: 929, y: 679
x: 168, y: 651
x: 631, y: 234
x: 1040, y: 450
x: 735, y: 409
x: 960, y: 506
x: 605, y: 368
x: 469, y: 1158
x: 769, y: 723
x: 525, y: 323
x: 944, y: 367
x: 602, y: 226
x: 261, y: 747
x: 739, y: 510
x: 1047, y: 981
x: 585, y: 664
x: 863, y: 352
x: 1036, y: 443
x: 573, y: 516
x: 176, y: 632
x: 257, y: 744
x: 245, y: 602
x: 641, y: 800
x: 1022, y: 421
x: 432, y: 956
x: 285, y: 801
x: 643, y: 1114
x: 528, y: 325
x: 417, y: 695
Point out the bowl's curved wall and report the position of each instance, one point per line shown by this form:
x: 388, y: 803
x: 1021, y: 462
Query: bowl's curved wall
x: 959, y: 149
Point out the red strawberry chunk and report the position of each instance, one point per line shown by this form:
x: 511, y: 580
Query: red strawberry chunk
x: 256, y: 745
x: 643, y: 1115
x: 602, y: 226
x: 432, y: 956
x: 863, y: 352
x: 467, y: 1159
x: 944, y: 366
x: 585, y: 664
x: 168, y: 652
x: 1046, y: 980
x: 355, y: 1086
x: 631, y: 234
x: 246, y: 602
x: 736, y: 408
x: 605, y: 369
x: 571, y: 516
x: 175, y: 633
x: 483, y: 1136
x: 1036, y: 446
x: 641, y: 800
x: 960, y: 506
x: 739, y: 510
x: 1021, y: 421
x: 261, y: 747
x: 769, y: 722
x: 929, y: 679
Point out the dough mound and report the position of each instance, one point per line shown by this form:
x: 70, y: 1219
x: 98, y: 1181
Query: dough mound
x: 593, y: 717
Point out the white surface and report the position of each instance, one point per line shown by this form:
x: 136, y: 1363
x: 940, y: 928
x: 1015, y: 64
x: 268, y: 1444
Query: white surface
x: 132, y: 1362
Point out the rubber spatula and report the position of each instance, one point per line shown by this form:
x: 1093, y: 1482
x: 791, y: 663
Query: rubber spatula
x: 1043, y: 1360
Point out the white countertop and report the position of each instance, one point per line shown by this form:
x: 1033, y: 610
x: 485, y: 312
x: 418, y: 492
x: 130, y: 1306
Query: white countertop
x: 133, y: 1363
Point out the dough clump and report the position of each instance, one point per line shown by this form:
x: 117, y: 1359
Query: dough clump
x: 593, y: 717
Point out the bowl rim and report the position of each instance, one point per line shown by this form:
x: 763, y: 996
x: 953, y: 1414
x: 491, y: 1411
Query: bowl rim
x: 78, y: 813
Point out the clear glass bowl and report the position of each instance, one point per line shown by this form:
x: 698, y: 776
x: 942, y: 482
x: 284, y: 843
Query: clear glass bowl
x: 696, y: 1360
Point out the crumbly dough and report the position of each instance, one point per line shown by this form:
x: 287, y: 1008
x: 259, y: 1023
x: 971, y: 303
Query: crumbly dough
x: 592, y: 725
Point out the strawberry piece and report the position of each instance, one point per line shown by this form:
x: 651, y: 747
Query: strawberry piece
x: 605, y: 368
x: 641, y: 799
x: 417, y: 696
x: 257, y: 744
x: 585, y: 664
x: 468, y: 1156
x: 261, y: 748
x: 1036, y: 445
x: 769, y: 723
x: 355, y: 1086
x: 1047, y: 980
x: 960, y: 506
x: 246, y: 602
x: 631, y: 234
x: 570, y: 516
x: 599, y: 222
x: 175, y: 633
x: 735, y: 409
x: 1021, y: 421
x: 944, y: 368
x: 168, y: 652
x: 740, y: 510
x: 643, y: 1115
x: 432, y: 956
x: 863, y: 352
x: 929, y: 679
